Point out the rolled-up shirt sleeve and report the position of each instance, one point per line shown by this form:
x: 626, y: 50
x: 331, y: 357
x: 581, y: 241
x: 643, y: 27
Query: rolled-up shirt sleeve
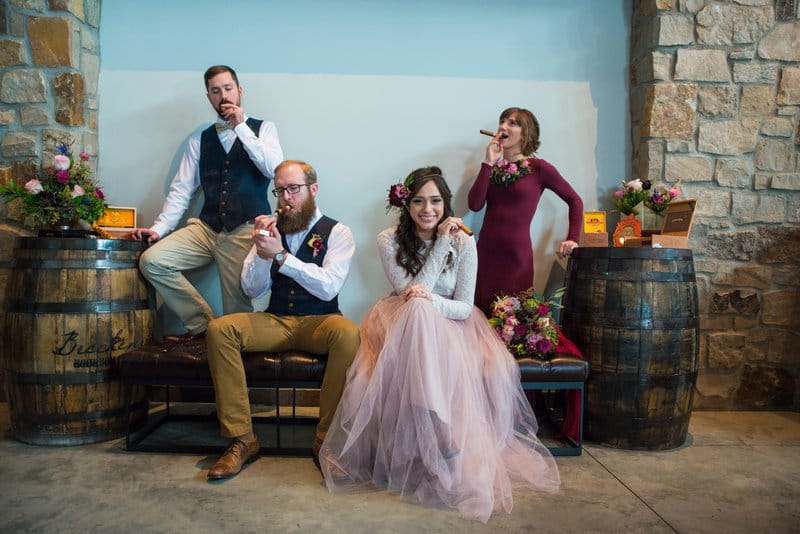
x: 324, y: 282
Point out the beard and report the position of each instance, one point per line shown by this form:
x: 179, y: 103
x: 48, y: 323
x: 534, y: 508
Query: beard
x: 218, y: 109
x: 295, y: 220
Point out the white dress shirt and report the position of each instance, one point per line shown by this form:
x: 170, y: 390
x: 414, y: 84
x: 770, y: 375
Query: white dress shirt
x: 323, y: 282
x: 264, y: 151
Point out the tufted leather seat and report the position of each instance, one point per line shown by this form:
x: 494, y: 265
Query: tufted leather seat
x: 560, y: 368
x: 187, y: 364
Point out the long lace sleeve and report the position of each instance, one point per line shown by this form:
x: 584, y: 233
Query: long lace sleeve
x: 477, y: 195
x: 398, y: 277
x: 460, y: 306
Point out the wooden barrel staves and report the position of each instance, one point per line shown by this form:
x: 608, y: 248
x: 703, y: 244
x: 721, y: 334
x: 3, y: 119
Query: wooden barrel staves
x: 72, y: 306
x: 634, y: 314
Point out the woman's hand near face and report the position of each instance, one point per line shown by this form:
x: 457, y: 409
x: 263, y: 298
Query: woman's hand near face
x: 449, y: 226
x: 493, y: 150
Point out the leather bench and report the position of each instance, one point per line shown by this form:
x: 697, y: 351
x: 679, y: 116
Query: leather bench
x: 185, y: 365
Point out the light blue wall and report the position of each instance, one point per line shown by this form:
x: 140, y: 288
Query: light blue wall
x: 366, y: 91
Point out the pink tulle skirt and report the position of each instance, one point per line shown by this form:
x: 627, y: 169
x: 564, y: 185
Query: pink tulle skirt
x: 434, y: 410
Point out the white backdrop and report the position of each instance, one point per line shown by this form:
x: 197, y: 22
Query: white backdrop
x: 361, y: 133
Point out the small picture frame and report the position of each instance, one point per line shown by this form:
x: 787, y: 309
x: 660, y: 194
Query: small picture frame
x: 628, y: 227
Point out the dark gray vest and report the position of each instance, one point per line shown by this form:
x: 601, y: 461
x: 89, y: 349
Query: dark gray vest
x: 235, y: 190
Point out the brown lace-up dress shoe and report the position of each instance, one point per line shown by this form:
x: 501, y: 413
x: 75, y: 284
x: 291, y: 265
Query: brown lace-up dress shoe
x: 184, y: 338
x: 239, y: 453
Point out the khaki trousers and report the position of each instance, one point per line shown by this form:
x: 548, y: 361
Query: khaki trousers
x: 193, y: 246
x: 230, y: 335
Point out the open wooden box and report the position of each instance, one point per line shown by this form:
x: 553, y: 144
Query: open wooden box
x: 675, y: 231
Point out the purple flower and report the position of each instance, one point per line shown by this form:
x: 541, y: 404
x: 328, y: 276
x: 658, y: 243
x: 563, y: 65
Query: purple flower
x: 520, y: 330
x: 646, y: 185
x: 543, y: 309
x: 99, y: 194
x: 544, y: 346
x: 398, y: 195
x: 619, y: 193
x: 62, y: 177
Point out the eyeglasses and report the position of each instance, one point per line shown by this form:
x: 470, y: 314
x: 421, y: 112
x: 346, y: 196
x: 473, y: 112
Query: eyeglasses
x: 291, y: 189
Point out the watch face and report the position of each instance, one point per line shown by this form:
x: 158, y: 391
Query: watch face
x: 279, y: 256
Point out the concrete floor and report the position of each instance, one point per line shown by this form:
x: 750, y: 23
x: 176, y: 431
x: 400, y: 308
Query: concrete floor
x: 738, y: 472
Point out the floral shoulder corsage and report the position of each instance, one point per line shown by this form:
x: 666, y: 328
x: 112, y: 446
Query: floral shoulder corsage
x: 506, y: 173
x: 316, y: 244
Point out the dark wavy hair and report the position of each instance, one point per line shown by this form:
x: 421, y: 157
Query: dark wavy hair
x: 530, y: 128
x: 409, y: 243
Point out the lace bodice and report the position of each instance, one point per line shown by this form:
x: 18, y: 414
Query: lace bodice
x: 452, y: 286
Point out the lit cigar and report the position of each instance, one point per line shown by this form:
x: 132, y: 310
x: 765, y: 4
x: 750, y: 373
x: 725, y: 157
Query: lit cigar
x: 278, y: 213
x: 493, y: 134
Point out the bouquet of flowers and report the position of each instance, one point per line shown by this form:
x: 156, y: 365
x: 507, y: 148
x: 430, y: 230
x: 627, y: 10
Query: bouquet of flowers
x: 634, y: 192
x: 629, y: 196
x: 659, y: 197
x: 506, y: 173
x: 525, y: 323
x: 61, y: 194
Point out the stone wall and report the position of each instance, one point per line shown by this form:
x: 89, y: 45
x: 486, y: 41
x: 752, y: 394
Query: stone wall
x: 715, y: 105
x: 49, y: 66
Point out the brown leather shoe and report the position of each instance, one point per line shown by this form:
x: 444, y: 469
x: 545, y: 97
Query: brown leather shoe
x: 184, y: 338
x: 238, y: 454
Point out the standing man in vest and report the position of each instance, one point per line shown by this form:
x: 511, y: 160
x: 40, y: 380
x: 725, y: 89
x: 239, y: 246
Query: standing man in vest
x: 233, y: 160
x: 303, y: 257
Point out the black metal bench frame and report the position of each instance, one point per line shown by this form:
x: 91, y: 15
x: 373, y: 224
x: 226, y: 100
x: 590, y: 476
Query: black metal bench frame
x: 574, y: 448
x: 135, y: 439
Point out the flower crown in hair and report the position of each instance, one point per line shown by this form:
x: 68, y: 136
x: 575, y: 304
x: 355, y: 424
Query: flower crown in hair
x: 399, y: 193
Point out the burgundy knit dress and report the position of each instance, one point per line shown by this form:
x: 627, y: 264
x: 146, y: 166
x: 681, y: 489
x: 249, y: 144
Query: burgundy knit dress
x: 505, y: 253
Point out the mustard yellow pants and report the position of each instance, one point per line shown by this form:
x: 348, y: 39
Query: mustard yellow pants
x: 230, y: 335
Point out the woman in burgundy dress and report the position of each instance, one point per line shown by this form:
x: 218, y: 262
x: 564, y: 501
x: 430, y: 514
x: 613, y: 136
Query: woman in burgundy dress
x: 510, y: 184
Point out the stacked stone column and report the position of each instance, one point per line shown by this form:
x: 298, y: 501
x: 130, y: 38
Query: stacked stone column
x: 715, y: 106
x: 49, y: 66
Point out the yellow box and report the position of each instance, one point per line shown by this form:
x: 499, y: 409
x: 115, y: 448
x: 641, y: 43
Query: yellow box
x: 118, y: 217
x: 594, y: 221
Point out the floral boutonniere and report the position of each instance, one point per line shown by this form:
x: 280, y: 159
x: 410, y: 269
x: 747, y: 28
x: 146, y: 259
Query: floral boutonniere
x: 316, y: 244
x: 506, y: 173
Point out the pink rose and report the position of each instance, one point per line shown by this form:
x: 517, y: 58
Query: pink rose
x: 502, y: 164
x: 673, y: 192
x: 619, y: 193
x: 34, y: 186
x: 526, y: 164
x: 544, y: 346
x: 61, y: 162
x: 99, y: 194
x: 635, y: 185
x: 78, y: 191
x: 512, y: 320
x: 62, y: 177
x: 84, y: 156
x: 512, y: 168
x: 398, y: 195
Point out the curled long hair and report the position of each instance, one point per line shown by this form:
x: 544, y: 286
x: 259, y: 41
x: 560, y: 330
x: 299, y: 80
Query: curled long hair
x: 530, y: 128
x: 409, y: 243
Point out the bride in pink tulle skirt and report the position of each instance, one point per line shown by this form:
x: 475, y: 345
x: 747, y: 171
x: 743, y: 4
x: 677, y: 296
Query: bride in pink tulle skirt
x: 433, y: 408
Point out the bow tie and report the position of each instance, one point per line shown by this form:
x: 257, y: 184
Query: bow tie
x: 221, y: 126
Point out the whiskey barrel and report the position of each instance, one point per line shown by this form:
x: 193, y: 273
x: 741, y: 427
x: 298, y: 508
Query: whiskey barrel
x: 71, y: 307
x: 633, y: 312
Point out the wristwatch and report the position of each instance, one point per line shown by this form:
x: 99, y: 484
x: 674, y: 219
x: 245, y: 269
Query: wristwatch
x: 280, y: 257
